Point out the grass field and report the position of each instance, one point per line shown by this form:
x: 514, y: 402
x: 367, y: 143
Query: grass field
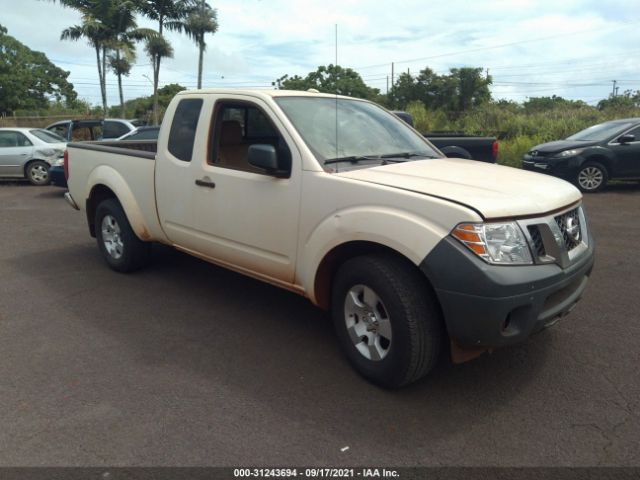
x: 516, y: 128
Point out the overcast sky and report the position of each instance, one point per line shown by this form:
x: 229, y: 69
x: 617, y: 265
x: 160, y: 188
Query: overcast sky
x: 572, y: 48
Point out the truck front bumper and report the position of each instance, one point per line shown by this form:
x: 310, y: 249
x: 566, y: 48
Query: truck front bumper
x: 491, y: 305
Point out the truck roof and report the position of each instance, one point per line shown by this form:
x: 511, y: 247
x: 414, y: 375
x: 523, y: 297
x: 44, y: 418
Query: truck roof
x: 264, y: 93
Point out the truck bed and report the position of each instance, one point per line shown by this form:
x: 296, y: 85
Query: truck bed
x: 118, y: 165
x: 139, y: 148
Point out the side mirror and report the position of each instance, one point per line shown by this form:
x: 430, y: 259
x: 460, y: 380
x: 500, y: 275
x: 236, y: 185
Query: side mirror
x: 264, y: 157
x: 627, y: 138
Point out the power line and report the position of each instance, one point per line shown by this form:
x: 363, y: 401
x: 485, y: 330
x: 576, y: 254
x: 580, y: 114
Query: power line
x: 491, y: 47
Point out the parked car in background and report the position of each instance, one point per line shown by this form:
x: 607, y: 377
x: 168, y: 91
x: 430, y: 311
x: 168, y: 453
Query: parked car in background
x: 92, y: 129
x: 142, y: 133
x: 56, y: 172
x: 459, y: 145
x: 590, y: 158
x: 28, y: 153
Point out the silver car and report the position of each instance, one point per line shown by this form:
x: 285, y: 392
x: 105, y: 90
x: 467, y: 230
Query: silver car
x: 28, y: 153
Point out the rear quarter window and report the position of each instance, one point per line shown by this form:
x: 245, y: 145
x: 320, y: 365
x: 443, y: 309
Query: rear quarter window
x: 183, y: 128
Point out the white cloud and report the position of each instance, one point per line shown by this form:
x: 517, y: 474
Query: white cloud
x: 261, y: 40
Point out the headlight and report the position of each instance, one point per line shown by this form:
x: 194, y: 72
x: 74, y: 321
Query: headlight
x: 570, y: 153
x: 496, y: 243
x: 59, y: 162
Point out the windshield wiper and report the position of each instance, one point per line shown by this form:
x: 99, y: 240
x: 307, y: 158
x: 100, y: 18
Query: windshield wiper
x: 405, y: 155
x: 387, y: 157
x: 351, y: 158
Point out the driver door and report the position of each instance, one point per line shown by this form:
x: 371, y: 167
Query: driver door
x: 218, y: 205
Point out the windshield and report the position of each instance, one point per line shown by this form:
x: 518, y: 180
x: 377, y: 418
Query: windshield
x: 599, y: 133
x: 47, y: 136
x: 362, y: 130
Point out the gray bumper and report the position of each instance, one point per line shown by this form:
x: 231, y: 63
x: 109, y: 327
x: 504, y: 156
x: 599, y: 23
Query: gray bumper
x: 492, y: 306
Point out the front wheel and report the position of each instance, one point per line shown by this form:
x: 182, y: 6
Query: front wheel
x: 121, y: 248
x: 38, y: 173
x: 591, y: 177
x: 386, y: 319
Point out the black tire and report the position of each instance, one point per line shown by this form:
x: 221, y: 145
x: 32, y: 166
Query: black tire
x: 409, y: 305
x: 591, y: 177
x: 37, y: 173
x: 122, y: 250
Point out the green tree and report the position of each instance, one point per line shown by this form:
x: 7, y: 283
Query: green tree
x: 123, y: 33
x: 28, y: 80
x: 142, y: 107
x: 627, y: 100
x: 472, y: 87
x: 170, y: 15
x: 330, y: 79
x: 157, y: 48
x: 95, y: 30
x: 201, y: 20
x: 541, y: 104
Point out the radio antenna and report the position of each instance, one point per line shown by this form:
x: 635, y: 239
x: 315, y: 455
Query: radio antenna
x: 336, y: 88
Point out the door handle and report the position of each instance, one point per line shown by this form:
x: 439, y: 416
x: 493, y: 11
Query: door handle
x: 205, y: 183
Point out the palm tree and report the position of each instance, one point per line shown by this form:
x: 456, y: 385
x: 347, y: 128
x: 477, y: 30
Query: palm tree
x: 157, y: 47
x: 201, y: 19
x: 170, y: 15
x: 124, y: 31
x: 96, y: 35
x: 94, y: 30
x: 121, y: 65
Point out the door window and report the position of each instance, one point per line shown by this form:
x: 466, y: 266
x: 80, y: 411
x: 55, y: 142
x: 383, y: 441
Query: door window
x: 114, y: 129
x: 183, y: 128
x: 635, y: 132
x: 236, y: 127
x: 62, y: 130
x: 9, y: 139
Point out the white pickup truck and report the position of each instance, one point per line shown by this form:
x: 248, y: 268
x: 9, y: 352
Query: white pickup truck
x: 340, y: 201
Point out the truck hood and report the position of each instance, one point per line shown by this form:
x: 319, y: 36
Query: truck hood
x: 492, y: 190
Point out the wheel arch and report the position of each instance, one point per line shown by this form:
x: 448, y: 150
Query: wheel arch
x: 109, y: 186
x: 454, y: 151
x: 338, y: 255
x: 98, y: 194
x: 29, y: 162
x: 602, y: 159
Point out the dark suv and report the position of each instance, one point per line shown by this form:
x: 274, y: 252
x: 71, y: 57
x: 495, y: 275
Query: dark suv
x: 590, y: 158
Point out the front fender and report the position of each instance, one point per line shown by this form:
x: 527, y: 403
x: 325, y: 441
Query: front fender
x: 112, y: 179
x: 408, y: 234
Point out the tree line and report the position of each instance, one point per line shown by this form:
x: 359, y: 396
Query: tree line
x: 110, y: 27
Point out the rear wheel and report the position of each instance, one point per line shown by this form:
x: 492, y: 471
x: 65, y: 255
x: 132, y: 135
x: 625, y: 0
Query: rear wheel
x: 121, y: 248
x: 591, y: 177
x: 386, y: 318
x: 38, y: 173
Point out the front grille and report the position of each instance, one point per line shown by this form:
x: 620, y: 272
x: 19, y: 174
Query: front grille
x: 569, y: 224
x: 537, y: 154
x: 536, y: 238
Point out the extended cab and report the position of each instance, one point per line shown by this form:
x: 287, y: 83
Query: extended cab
x: 338, y: 200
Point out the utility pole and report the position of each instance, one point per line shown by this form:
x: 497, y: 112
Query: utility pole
x: 392, y: 75
x: 392, y: 78
x: 387, y: 84
x: 614, y: 91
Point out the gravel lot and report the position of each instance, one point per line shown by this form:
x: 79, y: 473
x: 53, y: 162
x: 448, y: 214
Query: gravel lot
x: 185, y: 363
